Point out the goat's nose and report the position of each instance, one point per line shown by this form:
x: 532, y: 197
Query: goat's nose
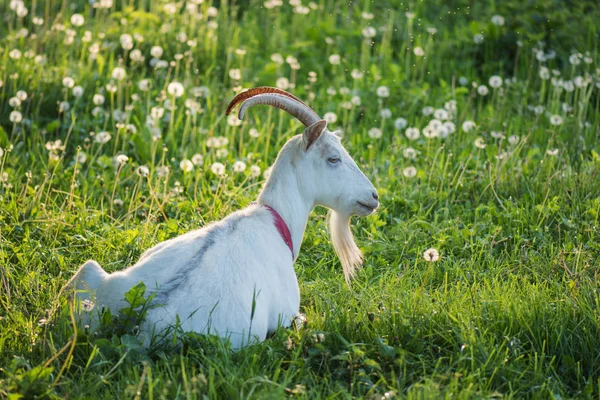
x: 375, y: 196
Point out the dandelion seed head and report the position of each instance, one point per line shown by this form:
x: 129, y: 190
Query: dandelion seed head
x: 15, y: 117
x: 14, y: 102
x: 412, y: 133
x: 431, y: 255
x: 427, y: 111
x: 410, y: 153
x: 495, y: 81
x: 375, y: 133
x: 383, y: 91
x: 217, y: 168
x: 15, y: 54
x: 498, y: 20
x: 186, y: 165
x: 277, y: 58
x: 409, y: 172
x: 556, y: 120
x: 77, y: 19
x: 418, y: 51
x: 118, y: 73
x: 175, y: 89
x: 449, y: 127
x: 64, y: 106
x: 356, y: 74
x: 87, y: 305
x: 68, y: 82
x: 480, y: 143
x: 282, y: 83
x: 233, y: 120
x: 142, y: 171
x: 255, y: 171
x: 21, y: 95
x: 102, y: 137
x: 330, y: 117
x: 120, y: 159
x: 369, y: 32
x: 539, y: 109
x: 235, y: 74
x: 385, y: 113
x: 400, y: 123
x: 482, y: 90
x: 574, y: 59
x: 429, y: 132
x: 239, y: 166
x: 441, y: 114
x: 468, y: 126
x: 77, y: 91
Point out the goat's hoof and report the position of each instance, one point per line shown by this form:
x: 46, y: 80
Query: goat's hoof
x: 299, y: 321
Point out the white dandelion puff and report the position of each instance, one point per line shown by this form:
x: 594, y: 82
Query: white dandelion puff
x: 431, y: 255
x: 217, y: 168
x: 495, y: 81
x: 468, y: 126
x: 412, y: 133
x: 480, y: 143
x: 239, y: 166
x: 118, y: 73
x: 375, y: 133
x: 255, y: 171
x: 142, y: 171
x: 186, y: 165
x: 15, y: 117
x: 556, y: 120
x: 198, y: 159
x: 409, y: 172
x: 175, y: 89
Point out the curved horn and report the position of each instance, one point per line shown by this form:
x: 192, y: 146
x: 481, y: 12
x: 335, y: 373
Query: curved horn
x: 301, y: 111
x: 276, y: 98
x: 255, y: 91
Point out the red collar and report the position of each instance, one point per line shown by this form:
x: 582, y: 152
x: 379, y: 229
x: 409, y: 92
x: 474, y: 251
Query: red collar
x: 282, y: 228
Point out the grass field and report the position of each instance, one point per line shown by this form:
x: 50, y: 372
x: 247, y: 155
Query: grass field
x: 478, y: 122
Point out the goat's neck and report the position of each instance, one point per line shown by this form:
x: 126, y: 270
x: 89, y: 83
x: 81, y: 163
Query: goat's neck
x: 283, y: 193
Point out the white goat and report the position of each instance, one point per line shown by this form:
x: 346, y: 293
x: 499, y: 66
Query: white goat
x: 235, y: 278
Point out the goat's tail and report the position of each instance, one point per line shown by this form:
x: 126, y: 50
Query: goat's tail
x: 87, y: 279
x: 343, y: 242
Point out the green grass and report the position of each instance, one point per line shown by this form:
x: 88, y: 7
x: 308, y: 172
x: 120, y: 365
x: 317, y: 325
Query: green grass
x: 511, y: 309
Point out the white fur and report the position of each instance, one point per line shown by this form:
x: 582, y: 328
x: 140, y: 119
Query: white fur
x: 211, y: 277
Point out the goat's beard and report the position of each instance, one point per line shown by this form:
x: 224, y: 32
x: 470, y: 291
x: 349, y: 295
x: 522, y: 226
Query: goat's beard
x: 343, y: 242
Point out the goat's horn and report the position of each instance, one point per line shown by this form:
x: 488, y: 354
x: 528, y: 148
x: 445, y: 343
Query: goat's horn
x: 276, y: 98
x: 257, y: 90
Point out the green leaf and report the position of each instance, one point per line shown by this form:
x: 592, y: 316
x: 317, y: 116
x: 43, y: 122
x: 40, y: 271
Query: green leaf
x: 135, y: 296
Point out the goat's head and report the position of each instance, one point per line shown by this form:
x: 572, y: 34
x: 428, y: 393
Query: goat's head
x: 329, y: 174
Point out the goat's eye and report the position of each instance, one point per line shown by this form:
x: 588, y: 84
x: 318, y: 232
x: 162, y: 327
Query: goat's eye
x: 333, y: 160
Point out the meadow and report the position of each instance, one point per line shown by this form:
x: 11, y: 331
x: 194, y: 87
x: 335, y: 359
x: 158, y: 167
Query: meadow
x: 478, y: 122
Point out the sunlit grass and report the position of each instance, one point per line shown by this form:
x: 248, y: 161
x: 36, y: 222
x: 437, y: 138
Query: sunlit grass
x: 477, y: 124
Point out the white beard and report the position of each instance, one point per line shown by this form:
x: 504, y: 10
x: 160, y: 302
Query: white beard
x: 343, y: 242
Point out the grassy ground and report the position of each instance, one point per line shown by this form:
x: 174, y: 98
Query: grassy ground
x: 507, y: 191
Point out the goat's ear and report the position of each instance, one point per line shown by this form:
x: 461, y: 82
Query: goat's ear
x: 313, y: 133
